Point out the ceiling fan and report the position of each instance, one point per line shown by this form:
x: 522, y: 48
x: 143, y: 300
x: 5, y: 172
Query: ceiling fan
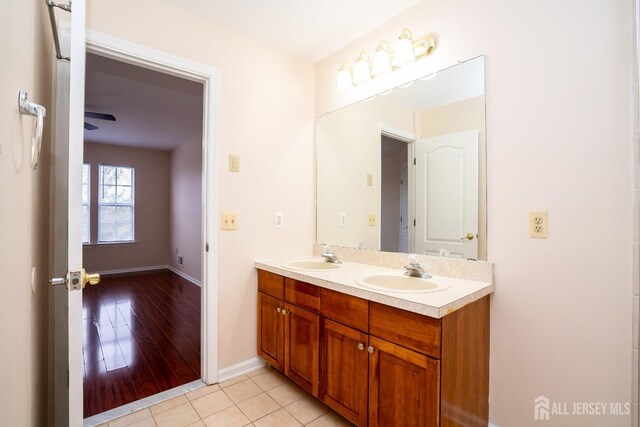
x: 98, y: 116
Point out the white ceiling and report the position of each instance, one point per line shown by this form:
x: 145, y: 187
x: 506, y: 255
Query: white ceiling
x: 152, y: 110
x: 309, y: 29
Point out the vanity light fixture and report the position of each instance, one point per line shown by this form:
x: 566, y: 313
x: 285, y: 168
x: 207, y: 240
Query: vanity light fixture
x: 345, y: 78
x: 362, y: 69
x: 381, y: 59
x: 385, y: 60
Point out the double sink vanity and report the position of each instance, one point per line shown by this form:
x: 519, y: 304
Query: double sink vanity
x: 400, y: 172
x: 379, y: 347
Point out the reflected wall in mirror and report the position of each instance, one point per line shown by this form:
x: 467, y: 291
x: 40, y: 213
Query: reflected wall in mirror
x: 405, y: 171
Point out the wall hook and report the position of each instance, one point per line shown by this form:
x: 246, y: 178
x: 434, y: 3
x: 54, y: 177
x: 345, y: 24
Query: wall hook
x: 27, y: 107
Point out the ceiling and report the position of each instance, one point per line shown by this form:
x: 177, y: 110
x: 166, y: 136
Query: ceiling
x: 309, y: 29
x: 152, y: 109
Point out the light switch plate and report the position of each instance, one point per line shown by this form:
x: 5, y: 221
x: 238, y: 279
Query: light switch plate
x: 343, y: 219
x: 371, y: 221
x: 234, y: 163
x: 538, y: 225
x: 229, y: 221
x: 278, y: 220
x: 369, y: 180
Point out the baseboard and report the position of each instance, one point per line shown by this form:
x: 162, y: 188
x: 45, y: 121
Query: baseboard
x: 132, y: 270
x: 184, y: 275
x: 240, y: 368
x: 492, y: 425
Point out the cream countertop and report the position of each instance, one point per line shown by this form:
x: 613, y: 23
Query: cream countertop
x: 434, y: 304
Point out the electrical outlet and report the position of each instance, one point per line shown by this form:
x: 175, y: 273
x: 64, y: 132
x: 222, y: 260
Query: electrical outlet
x: 278, y: 220
x: 229, y: 221
x: 343, y: 219
x: 538, y: 225
x: 180, y: 260
x: 371, y: 220
x: 369, y: 180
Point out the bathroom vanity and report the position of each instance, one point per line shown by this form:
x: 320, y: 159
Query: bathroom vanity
x: 377, y: 358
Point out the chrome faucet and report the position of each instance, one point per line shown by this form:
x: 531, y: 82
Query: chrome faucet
x: 329, y: 256
x: 414, y: 269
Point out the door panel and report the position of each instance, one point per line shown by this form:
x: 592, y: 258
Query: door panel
x: 66, y: 237
x: 447, y: 195
x: 403, y: 387
x: 302, y: 342
x: 271, y: 330
x: 344, y: 365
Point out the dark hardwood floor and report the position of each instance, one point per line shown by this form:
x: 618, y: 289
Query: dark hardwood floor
x: 141, y: 337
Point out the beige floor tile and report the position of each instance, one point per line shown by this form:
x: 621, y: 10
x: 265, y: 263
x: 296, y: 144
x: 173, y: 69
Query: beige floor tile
x: 179, y: 416
x: 131, y: 418
x: 211, y: 403
x: 258, y: 406
x: 242, y: 391
x: 230, y: 417
x: 306, y: 409
x: 233, y: 381
x: 202, y: 391
x: 259, y: 371
x: 147, y: 422
x: 269, y: 380
x: 199, y: 423
x: 280, y: 418
x: 286, y: 393
x: 330, y: 420
x: 168, y: 404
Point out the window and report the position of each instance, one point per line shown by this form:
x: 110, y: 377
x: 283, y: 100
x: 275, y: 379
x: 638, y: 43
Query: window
x: 115, y: 203
x: 86, y: 199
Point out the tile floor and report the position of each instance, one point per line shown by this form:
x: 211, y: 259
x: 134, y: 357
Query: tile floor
x: 262, y: 398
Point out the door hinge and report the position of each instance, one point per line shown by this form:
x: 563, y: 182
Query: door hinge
x: 414, y: 160
x: 206, y: 247
x: 414, y: 222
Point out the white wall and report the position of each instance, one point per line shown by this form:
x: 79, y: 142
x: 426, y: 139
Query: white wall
x: 26, y: 56
x: 559, y: 137
x: 266, y: 115
x: 185, y: 214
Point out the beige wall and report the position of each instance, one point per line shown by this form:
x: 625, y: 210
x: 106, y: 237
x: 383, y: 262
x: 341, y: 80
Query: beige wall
x: 185, y: 217
x: 458, y: 117
x: 559, y: 134
x: 26, y: 55
x: 151, y: 209
x: 272, y: 91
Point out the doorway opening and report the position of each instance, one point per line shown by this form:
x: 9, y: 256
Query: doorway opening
x: 143, y: 231
x: 394, y: 194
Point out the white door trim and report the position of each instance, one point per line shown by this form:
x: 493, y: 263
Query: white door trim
x: 125, y: 51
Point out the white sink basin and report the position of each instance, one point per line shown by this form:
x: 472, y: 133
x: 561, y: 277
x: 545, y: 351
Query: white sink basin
x: 401, y: 283
x: 311, y: 265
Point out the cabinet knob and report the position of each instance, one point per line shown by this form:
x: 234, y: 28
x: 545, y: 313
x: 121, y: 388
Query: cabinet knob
x: 278, y: 309
x: 360, y: 346
x: 370, y: 349
x: 284, y: 312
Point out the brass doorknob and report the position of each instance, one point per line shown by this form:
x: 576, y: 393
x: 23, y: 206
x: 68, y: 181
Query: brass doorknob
x: 90, y: 278
x: 469, y: 236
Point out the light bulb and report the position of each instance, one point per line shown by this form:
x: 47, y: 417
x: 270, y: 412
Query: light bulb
x: 404, y: 49
x: 361, y: 71
x: 381, y: 60
x: 345, y: 80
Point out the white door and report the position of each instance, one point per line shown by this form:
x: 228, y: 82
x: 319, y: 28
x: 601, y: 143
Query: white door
x: 447, y: 195
x: 66, y: 176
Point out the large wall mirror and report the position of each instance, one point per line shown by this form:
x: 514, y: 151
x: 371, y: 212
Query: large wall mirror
x: 405, y: 171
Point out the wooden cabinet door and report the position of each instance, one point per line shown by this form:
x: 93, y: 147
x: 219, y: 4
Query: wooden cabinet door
x: 302, y: 347
x: 271, y: 330
x: 403, y: 386
x: 344, y: 369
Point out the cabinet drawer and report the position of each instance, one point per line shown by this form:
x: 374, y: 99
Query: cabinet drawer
x: 271, y: 284
x: 346, y: 309
x: 411, y: 330
x: 302, y: 294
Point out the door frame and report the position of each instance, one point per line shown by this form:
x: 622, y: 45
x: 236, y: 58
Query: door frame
x: 410, y: 138
x: 124, y: 51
